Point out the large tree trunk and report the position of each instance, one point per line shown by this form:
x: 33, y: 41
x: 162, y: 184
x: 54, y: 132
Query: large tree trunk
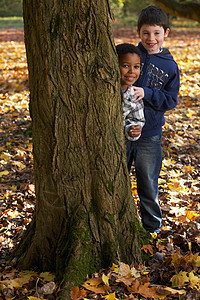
x: 188, y: 10
x: 85, y: 216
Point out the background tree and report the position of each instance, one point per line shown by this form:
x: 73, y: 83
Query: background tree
x: 85, y: 216
x: 184, y: 9
x: 180, y: 8
x: 10, y: 8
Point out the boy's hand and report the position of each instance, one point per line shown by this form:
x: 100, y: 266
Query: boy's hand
x: 135, y: 130
x: 138, y: 92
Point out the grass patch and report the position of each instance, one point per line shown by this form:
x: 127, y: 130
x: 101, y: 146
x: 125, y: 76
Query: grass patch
x: 11, y: 22
x: 126, y: 22
x: 130, y: 21
x: 183, y: 23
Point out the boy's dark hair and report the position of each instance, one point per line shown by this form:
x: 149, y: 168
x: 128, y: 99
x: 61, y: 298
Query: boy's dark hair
x: 153, y: 15
x: 126, y: 48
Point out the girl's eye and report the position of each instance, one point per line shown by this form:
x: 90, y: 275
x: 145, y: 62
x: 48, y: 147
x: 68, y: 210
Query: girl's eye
x: 125, y: 66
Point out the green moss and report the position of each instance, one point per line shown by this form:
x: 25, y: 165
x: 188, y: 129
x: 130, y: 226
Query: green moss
x: 144, y: 238
x: 77, y: 259
x: 78, y: 269
x: 110, y: 186
x: 112, y: 219
x: 123, y: 211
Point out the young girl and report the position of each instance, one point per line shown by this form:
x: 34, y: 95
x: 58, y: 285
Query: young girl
x: 133, y: 112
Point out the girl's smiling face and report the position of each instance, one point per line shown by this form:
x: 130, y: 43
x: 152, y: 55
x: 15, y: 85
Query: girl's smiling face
x: 129, y: 65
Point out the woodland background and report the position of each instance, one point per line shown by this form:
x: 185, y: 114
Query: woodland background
x: 171, y: 270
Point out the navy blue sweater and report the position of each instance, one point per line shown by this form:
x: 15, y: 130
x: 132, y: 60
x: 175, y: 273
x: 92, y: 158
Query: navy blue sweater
x: 160, y: 79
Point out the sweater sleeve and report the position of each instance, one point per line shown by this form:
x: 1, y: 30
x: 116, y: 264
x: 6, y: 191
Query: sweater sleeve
x: 166, y: 98
x: 133, y: 115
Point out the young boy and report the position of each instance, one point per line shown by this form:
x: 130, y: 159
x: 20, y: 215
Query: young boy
x: 159, y: 78
x: 133, y: 112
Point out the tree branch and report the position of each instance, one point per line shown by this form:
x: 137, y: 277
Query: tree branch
x: 188, y: 10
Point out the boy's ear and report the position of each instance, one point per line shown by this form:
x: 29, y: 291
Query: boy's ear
x: 166, y: 32
x: 138, y: 32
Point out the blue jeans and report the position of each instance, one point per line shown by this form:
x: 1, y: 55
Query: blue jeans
x: 147, y: 156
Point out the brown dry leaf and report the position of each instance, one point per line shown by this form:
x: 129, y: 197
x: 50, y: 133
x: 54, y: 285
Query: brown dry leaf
x: 77, y: 293
x: 124, y: 269
x: 147, y: 248
x: 163, y: 292
x: 95, y: 285
x: 126, y: 281
x: 147, y: 291
x: 134, y: 287
x: 173, y: 291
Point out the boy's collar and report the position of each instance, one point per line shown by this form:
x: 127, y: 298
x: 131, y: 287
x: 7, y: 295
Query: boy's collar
x: 140, y: 44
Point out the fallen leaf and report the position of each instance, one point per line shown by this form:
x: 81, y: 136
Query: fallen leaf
x: 77, y: 293
x: 179, y: 279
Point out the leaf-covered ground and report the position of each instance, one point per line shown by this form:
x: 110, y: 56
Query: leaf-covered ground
x: 173, y: 270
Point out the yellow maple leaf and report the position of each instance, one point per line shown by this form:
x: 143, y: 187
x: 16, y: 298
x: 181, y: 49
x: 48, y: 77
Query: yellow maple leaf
x: 35, y: 298
x: 114, y: 268
x: 190, y: 214
x: 4, y: 173
x: 27, y: 274
x: 110, y: 296
x: 19, y: 165
x: 5, y: 156
x: 194, y: 280
x: 17, y: 282
x: 195, y: 261
x: 179, y: 279
x: 47, y: 276
x: 14, y: 188
x: 105, y: 279
x: 189, y: 113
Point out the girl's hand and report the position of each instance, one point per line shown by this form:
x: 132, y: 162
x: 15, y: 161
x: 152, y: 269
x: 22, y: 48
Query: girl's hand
x: 135, y: 130
x: 138, y: 92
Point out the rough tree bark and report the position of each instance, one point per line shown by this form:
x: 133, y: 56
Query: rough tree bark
x: 85, y: 216
x: 187, y: 9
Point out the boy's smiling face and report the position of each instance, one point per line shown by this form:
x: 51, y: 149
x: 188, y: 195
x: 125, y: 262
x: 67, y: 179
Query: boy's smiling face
x: 152, y: 37
x: 129, y: 65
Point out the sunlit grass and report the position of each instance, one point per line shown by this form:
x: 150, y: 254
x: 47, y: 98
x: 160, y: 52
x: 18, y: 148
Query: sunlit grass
x: 11, y: 22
